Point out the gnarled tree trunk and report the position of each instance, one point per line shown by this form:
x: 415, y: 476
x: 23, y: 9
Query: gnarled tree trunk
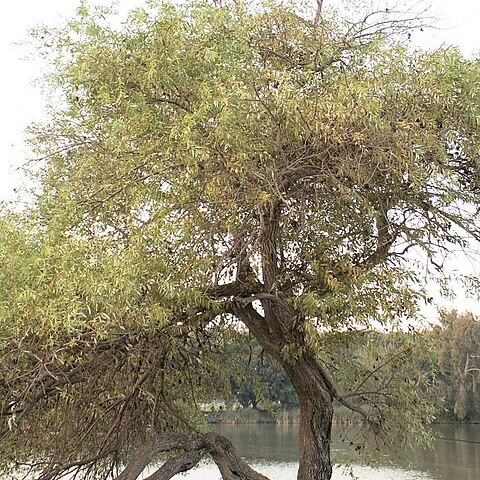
x: 316, y: 412
x: 312, y: 386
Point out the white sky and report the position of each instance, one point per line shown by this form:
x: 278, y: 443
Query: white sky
x: 20, y: 100
x: 457, y: 22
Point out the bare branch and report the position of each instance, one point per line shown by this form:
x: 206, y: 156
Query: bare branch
x: 318, y: 14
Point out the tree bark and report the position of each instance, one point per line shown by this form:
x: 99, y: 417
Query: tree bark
x: 231, y: 466
x: 315, y: 391
x: 316, y: 413
x: 142, y: 459
x: 181, y: 463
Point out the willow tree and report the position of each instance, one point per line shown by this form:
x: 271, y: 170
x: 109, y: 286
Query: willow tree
x: 208, y: 167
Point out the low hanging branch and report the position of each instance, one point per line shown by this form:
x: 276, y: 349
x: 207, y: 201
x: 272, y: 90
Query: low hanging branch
x: 193, y: 447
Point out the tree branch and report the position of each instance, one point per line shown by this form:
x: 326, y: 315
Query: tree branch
x: 235, y: 289
x: 318, y: 14
x: 48, y: 475
x: 230, y: 464
x: 180, y: 464
x: 244, y: 301
x: 195, y: 446
x: 257, y: 324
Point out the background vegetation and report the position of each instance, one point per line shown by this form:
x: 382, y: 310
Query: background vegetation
x: 450, y: 361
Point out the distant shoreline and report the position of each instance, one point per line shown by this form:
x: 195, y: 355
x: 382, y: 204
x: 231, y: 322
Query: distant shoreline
x: 251, y: 416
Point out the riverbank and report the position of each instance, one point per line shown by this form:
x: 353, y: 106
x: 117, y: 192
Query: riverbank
x: 246, y: 416
x: 251, y: 416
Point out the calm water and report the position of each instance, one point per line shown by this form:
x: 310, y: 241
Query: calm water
x: 272, y: 450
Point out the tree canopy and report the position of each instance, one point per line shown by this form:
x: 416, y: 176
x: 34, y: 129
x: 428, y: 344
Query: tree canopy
x: 212, y: 168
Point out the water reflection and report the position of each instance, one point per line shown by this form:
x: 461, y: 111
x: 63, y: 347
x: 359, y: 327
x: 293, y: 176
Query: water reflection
x: 456, y: 454
x: 288, y: 471
x: 272, y: 449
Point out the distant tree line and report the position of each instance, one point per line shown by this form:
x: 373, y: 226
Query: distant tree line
x: 457, y: 352
x: 447, y: 357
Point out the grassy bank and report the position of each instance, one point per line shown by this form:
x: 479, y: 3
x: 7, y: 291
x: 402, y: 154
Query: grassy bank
x: 341, y: 416
x: 284, y: 417
x: 242, y: 416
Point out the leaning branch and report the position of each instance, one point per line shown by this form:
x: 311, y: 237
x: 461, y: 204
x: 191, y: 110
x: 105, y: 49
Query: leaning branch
x: 195, y: 446
x: 331, y: 387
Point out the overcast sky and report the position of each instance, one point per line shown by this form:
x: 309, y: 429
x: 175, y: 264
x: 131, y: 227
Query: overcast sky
x: 457, y: 22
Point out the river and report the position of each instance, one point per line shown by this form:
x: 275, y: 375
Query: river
x: 272, y: 450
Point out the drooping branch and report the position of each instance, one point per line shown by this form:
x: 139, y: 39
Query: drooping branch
x: 52, y: 473
x: 332, y: 389
x: 43, y: 391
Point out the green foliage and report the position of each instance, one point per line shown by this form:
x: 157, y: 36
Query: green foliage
x: 205, y: 159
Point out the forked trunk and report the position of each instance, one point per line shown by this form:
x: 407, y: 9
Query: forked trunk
x: 194, y: 447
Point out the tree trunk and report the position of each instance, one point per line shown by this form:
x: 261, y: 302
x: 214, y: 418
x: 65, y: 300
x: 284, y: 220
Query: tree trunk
x: 461, y: 398
x: 316, y: 413
x: 310, y: 383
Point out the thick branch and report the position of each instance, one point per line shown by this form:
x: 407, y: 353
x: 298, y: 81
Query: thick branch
x: 258, y: 325
x: 235, y: 289
x: 268, y: 239
x: 195, y: 446
x: 136, y: 466
x: 180, y: 464
x: 231, y: 466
